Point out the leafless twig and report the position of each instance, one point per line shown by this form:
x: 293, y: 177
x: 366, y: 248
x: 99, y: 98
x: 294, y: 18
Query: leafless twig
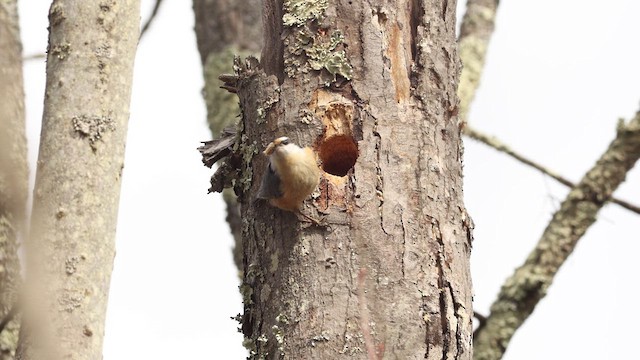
x: 37, y: 56
x: 502, y: 147
x: 146, y: 25
x: 482, y: 321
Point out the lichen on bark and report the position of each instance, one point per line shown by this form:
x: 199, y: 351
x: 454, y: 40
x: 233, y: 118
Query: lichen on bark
x: 309, y: 46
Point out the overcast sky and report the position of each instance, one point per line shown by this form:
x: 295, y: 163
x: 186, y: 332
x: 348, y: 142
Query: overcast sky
x: 558, y: 76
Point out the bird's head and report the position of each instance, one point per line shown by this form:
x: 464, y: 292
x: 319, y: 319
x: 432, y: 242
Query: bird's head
x: 281, y: 145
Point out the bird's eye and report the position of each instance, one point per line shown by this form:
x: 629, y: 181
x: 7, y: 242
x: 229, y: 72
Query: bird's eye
x: 284, y: 141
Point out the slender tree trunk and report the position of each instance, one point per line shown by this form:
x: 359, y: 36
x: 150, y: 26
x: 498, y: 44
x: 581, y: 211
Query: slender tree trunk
x: 14, y: 171
x: 373, y: 89
x: 70, y: 254
x: 224, y: 29
x: 475, y: 33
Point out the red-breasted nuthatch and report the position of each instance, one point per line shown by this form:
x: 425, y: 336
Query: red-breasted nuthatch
x: 291, y: 176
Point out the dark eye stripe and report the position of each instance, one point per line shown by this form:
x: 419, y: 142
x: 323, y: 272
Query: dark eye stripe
x: 285, y: 141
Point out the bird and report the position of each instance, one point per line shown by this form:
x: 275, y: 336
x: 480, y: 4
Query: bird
x: 290, y: 177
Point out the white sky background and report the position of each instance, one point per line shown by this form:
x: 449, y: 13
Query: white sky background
x: 559, y: 74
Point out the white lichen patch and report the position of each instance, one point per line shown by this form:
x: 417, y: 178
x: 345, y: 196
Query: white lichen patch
x: 279, y: 335
x: 70, y: 300
x: 71, y: 264
x: 93, y: 127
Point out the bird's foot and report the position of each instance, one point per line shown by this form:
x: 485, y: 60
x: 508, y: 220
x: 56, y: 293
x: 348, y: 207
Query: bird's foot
x: 309, y: 219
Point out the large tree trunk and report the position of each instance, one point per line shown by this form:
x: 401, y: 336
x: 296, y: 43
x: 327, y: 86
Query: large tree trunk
x: 14, y: 171
x: 70, y: 254
x: 389, y: 276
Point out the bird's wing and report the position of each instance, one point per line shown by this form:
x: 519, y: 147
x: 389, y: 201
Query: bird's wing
x: 270, y: 186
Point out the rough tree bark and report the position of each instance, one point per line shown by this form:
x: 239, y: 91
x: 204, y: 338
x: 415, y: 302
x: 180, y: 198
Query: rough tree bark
x: 70, y: 253
x: 372, y: 87
x: 14, y: 171
x: 225, y: 28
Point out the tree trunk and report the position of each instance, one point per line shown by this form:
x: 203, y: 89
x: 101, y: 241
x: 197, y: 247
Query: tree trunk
x: 373, y: 90
x: 14, y: 171
x: 70, y: 254
x: 224, y: 29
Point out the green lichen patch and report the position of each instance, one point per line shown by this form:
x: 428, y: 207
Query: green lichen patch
x: 298, y: 12
x: 242, y: 183
x: 264, y: 110
x: 310, y: 46
x: 317, y: 52
x: 324, y: 55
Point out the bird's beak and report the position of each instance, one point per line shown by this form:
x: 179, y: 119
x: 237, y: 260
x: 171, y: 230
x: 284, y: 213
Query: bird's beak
x: 269, y: 150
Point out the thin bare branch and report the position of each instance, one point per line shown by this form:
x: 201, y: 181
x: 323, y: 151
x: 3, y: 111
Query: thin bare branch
x: 38, y: 56
x: 152, y: 17
x: 482, y: 321
x: 529, y: 284
x: 504, y: 148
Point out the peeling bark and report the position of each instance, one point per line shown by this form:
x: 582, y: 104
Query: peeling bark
x: 529, y: 284
x: 14, y: 171
x: 70, y: 253
x: 384, y: 76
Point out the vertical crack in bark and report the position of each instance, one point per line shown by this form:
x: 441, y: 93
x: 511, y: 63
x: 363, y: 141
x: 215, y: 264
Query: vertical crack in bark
x: 273, y: 50
x: 444, y: 9
x: 404, y: 242
x: 458, y: 332
x: 415, y: 16
x: 425, y: 308
x: 442, y: 283
x: 379, y: 176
